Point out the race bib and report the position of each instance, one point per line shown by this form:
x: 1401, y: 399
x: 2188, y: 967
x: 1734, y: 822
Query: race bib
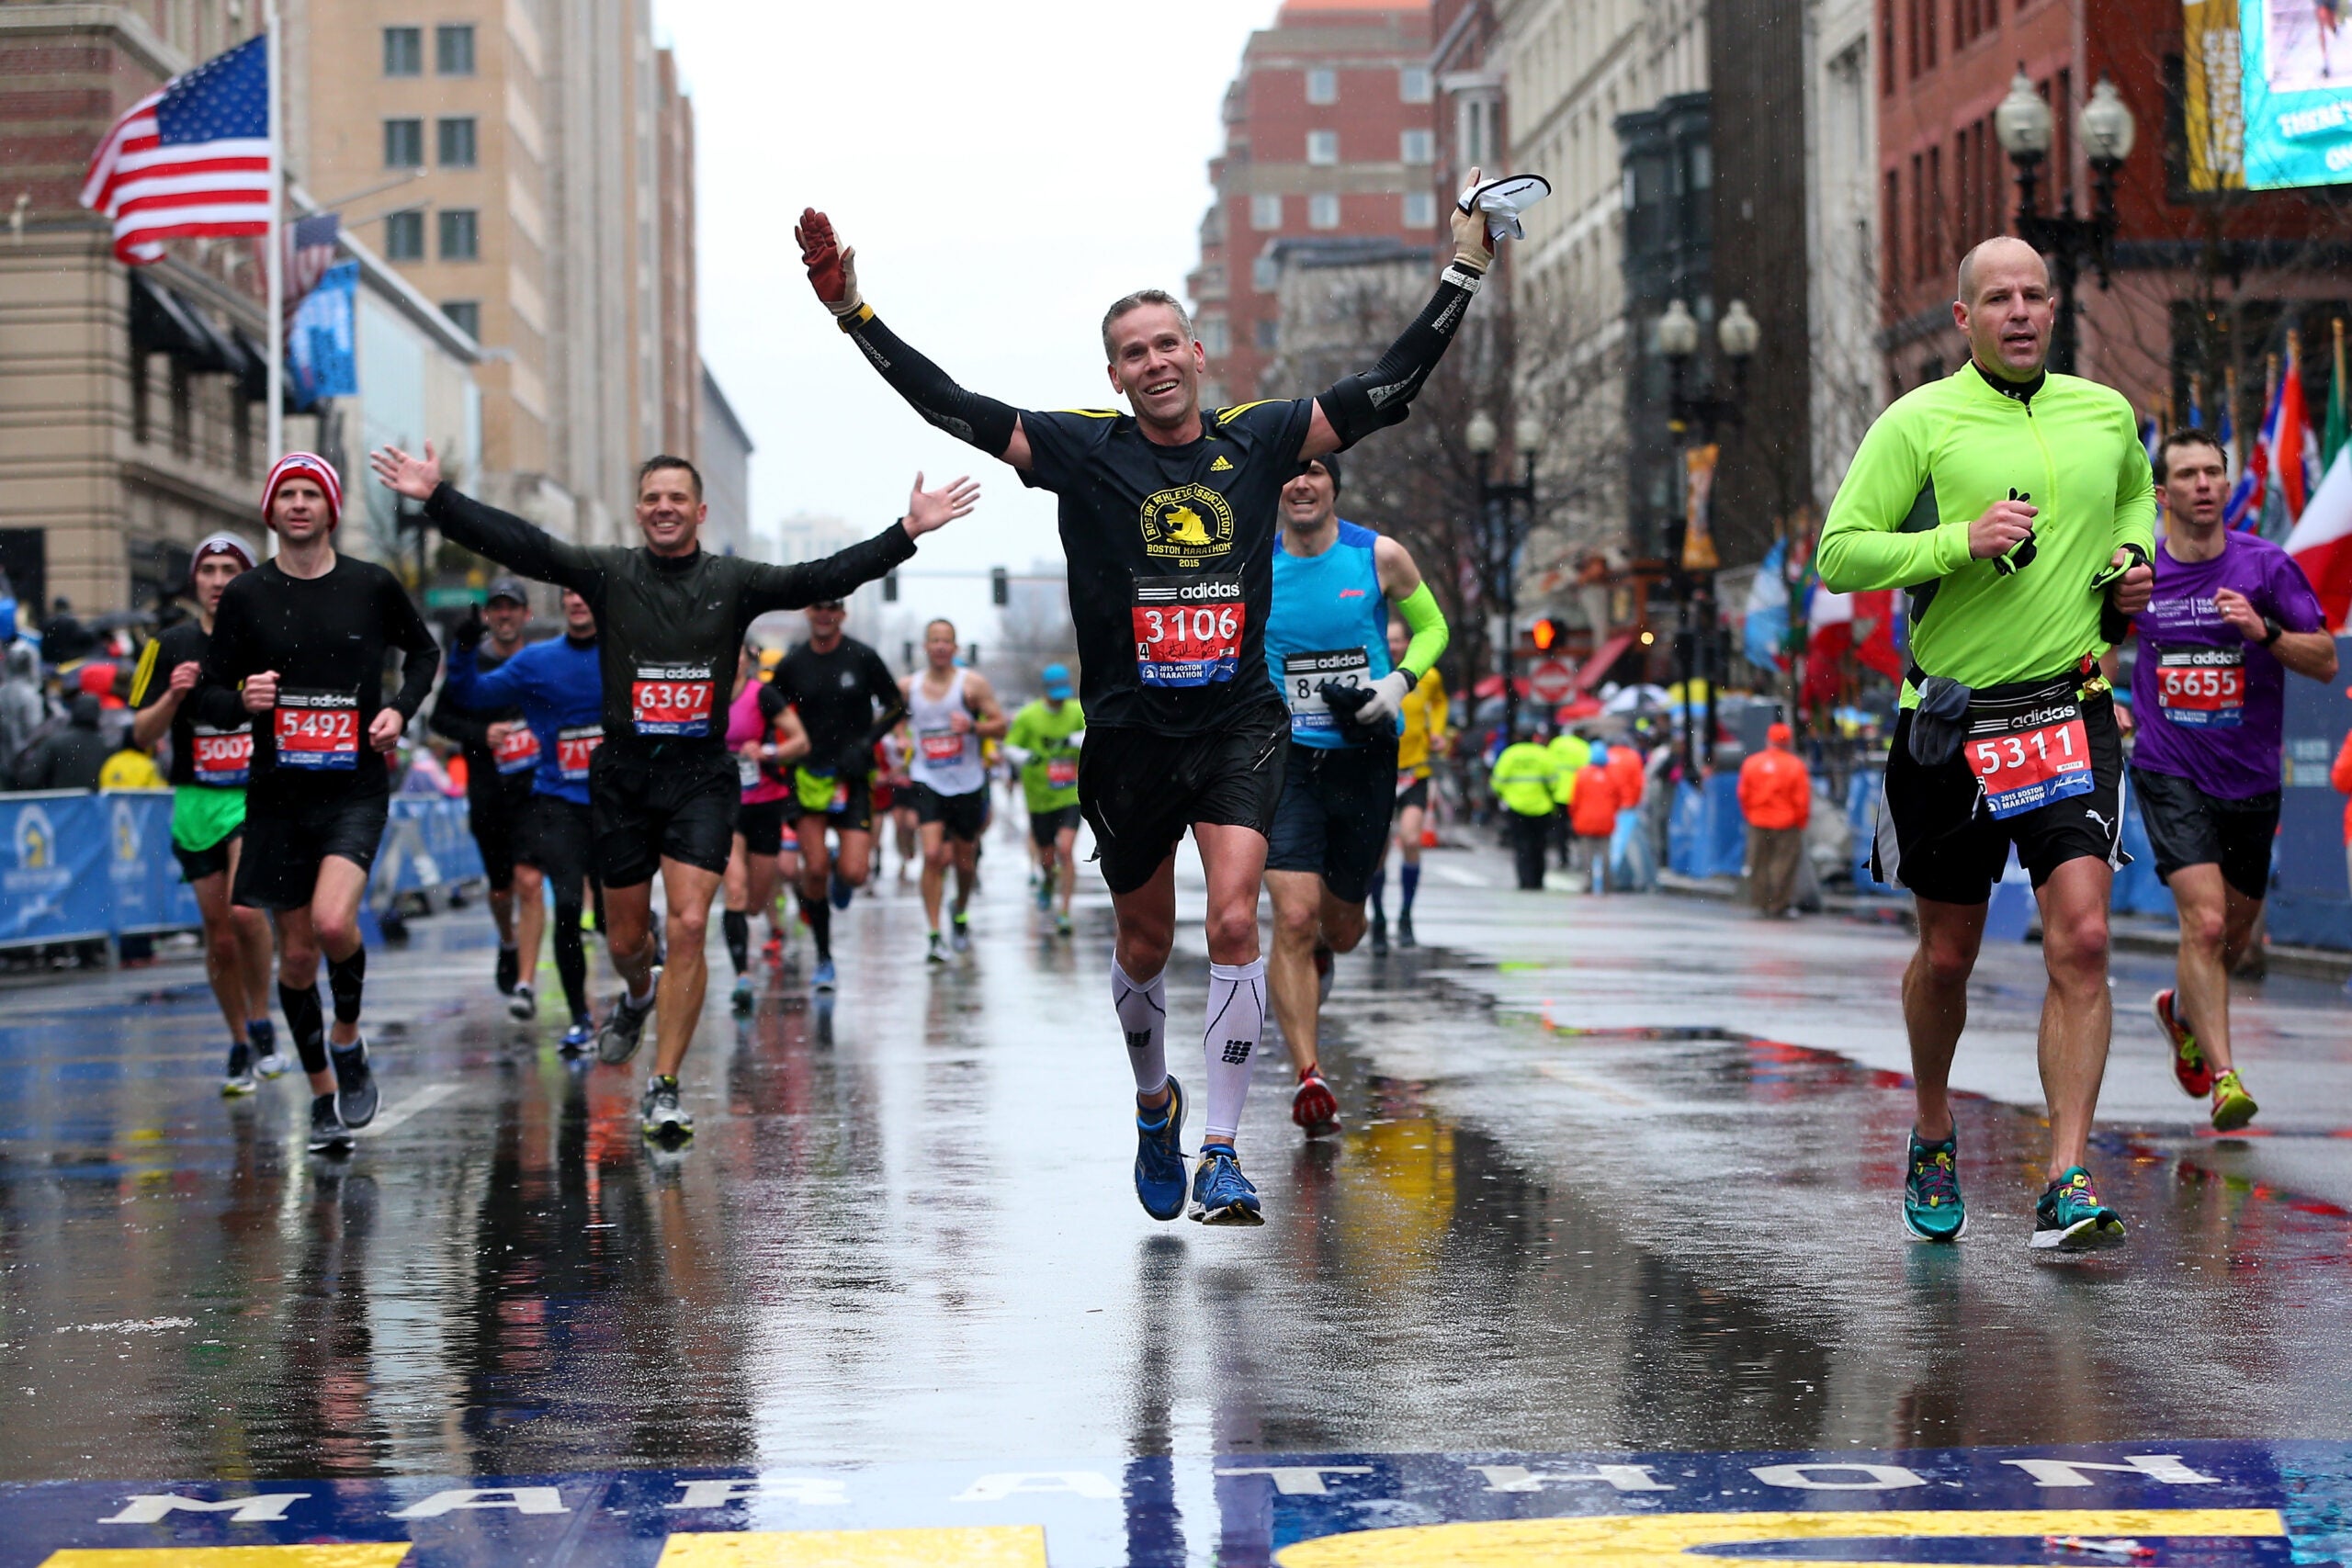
x: 2203, y: 687
x: 576, y: 747
x: 747, y: 772
x: 318, y: 729
x: 222, y: 759
x: 519, y: 752
x: 2027, y: 760
x: 1189, y: 630
x: 940, y: 746
x: 1061, y: 772
x: 671, y: 699
x: 1303, y: 678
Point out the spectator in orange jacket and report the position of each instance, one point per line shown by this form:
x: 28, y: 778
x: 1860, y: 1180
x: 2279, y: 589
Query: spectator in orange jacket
x: 1592, y: 815
x: 1625, y: 769
x: 1775, y: 799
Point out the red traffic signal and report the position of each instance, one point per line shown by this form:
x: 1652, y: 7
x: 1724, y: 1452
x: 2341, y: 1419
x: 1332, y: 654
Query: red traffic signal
x: 1544, y: 633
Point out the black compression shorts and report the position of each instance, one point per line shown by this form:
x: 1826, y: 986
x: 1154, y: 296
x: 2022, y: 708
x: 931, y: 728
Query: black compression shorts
x: 681, y: 808
x: 555, y: 837
x: 495, y: 809
x: 1046, y: 827
x: 198, y: 865
x: 966, y: 816
x: 1334, y: 814
x: 284, y: 844
x: 1416, y: 794
x: 1140, y: 790
x: 761, y: 824
x: 2188, y: 827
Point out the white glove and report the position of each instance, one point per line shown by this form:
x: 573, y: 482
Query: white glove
x: 1074, y: 739
x: 1018, y: 755
x: 1388, y: 700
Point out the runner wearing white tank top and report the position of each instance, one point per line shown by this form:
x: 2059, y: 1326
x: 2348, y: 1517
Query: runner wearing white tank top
x: 949, y: 712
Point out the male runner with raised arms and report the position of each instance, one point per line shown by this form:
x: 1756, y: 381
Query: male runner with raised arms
x: 208, y: 778
x: 848, y: 700
x: 1168, y: 519
x: 560, y: 690
x: 2016, y: 507
x: 298, y: 650
x: 661, y: 787
x: 1424, y: 738
x: 1327, y: 648
x: 502, y: 766
x: 950, y: 710
x: 1044, y: 742
x: 2231, y: 613
x: 766, y: 737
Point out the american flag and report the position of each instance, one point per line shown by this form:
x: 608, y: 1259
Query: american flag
x: 190, y: 159
x: 310, y: 251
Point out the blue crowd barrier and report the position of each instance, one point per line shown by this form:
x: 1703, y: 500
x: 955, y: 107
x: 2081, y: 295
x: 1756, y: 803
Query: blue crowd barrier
x: 79, y: 867
x: 1705, y: 835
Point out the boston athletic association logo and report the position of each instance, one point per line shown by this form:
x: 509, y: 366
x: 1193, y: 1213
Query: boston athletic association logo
x: 1191, y: 524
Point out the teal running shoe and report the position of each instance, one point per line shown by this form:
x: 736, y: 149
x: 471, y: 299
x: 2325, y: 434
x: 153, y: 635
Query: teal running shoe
x: 1159, y: 1156
x: 1221, y: 1194
x: 1931, y: 1207
x: 2070, y: 1218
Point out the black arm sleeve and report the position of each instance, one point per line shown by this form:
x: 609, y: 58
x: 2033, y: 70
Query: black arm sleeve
x: 839, y: 575
x: 969, y: 417
x: 217, y: 701
x: 406, y: 630
x: 458, y: 724
x: 514, y: 544
x: 885, y: 688
x: 1375, y: 398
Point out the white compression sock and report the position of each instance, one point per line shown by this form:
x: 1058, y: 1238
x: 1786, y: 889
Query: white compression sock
x: 1143, y: 1014
x: 1237, y: 1016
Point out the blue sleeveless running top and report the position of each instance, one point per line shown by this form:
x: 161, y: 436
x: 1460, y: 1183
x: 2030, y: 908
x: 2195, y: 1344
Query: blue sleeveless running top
x: 1329, y: 623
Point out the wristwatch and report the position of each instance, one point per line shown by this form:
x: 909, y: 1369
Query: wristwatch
x: 2272, y: 631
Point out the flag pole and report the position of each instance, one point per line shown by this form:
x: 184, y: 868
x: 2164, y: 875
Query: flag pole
x: 275, y: 241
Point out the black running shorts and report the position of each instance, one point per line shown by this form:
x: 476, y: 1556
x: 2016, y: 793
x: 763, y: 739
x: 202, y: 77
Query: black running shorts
x: 1333, y: 815
x: 966, y: 816
x: 1416, y: 794
x: 1140, y: 790
x: 761, y: 824
x: 279, y: 868
x: 494, y: 808
x: 555, y: 837
x: 198, y: 865
x: 1044, y: 826
x: 1936, y: 837
x: 856, y: 813
x: 2188, y: 827
x: 680, y: 808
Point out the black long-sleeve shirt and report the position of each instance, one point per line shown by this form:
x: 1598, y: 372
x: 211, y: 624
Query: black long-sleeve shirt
x: 326, y: 637
x: 670, y: 627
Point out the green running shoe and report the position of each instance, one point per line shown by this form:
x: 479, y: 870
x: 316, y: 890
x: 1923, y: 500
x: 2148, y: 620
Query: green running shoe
x: 2070, y: 1218
x: 2233, y: 1107
x: 1932, y: 1210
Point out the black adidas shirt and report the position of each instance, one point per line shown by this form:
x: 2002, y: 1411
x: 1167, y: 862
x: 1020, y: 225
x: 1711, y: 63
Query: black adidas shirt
x: 1170, y: 553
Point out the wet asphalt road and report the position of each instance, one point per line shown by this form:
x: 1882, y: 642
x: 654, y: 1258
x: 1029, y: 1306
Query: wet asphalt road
x: 1618, y: 1175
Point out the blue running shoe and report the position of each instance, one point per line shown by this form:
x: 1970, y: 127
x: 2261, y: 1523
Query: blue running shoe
x: 2070, y: 1218
x: 1931, y: 1207
x: 823, y: 979
x: 1159, y: 1156
x: 578, y: 1038
x: 1221, y: 1194
x: 838, y: 890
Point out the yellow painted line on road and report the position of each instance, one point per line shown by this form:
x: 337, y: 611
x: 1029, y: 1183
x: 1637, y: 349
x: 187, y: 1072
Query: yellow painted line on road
x: 368, y: 1554
x: 1685, y: 1541
x: 981, y: 1546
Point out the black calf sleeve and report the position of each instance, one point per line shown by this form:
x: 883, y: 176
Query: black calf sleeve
x: 737, y: 927
x: 306, y: 1023
x: 572, y: 958
x: 819, y: 916
x: 346, y: 977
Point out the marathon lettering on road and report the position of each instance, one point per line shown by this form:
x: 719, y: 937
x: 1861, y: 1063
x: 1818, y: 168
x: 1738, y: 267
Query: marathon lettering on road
x: 2203, y: 1502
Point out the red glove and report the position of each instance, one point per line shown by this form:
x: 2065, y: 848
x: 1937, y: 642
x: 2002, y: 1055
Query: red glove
x: 832, y: 271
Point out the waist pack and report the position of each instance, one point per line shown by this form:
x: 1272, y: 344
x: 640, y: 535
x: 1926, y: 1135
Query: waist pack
x: 1946, y: 707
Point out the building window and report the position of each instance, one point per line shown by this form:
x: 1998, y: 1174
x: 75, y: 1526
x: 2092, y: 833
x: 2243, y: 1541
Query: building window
x: 456, y: 134
x: 1322, y: 146
x: 453, y: 51
x: 1890, y: 231
x: 1886, y: 48
x: 404, y: 144
x: 1420, y: 209
x: 404, y: 236
x: 1266, y: 333
x: 1265, y: 212
x: 1323, y: 210
x: 460, y: 234
x: 1216, y: 337
x: 1322, y: 85
x: 1265, y: 272
x: 1413, y: 85
x: 467, y: 315
x: 403, y: 51
x: 1417, y: 146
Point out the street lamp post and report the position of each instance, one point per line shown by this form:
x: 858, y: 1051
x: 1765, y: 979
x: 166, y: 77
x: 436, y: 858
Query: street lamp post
x: 1707, y: 410
x: 2105, y: 127
x: 1505, y: 511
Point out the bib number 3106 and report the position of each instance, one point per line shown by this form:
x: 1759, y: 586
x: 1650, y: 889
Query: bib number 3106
x: 1188, y: 630
x: 2027, y: 769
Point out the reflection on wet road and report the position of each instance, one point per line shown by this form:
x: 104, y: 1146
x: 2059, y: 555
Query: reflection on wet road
x: 1604, y: 1188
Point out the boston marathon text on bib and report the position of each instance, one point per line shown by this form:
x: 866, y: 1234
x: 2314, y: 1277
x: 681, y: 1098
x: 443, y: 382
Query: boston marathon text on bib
x: 576, y: 748
x: 2203, y: 687
x: 1189, y: 630
x: 671, y: 699
x: 222, y: 759
x: 1303, y: 678
x: 519, y: 752
x: 2026, y: 760
x: 318, y: 729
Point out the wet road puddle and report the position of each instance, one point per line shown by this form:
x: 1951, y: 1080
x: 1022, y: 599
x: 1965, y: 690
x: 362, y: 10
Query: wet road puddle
x: 2211, y: 1504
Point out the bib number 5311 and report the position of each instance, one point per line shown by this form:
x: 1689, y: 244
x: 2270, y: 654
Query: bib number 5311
x: 2031, y: 768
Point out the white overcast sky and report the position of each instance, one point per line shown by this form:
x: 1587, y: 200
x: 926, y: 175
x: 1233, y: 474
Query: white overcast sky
x: 1004, y: 173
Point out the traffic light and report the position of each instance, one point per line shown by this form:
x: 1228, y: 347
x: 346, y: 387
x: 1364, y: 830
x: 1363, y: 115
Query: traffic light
x: 999, y: 588
x: 1544, y: 633
x: 889, y: 588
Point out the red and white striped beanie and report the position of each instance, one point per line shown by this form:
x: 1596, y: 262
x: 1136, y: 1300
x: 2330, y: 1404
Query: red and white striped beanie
x: 309, y: 465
